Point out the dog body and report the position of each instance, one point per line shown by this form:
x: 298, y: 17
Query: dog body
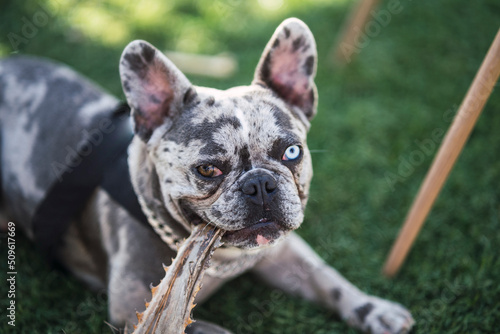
x: 236, y: 158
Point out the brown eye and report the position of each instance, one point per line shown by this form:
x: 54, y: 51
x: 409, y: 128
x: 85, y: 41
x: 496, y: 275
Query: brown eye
x: 209, y: 170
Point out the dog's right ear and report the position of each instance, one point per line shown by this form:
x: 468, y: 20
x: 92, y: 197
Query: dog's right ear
x: 155, y: 89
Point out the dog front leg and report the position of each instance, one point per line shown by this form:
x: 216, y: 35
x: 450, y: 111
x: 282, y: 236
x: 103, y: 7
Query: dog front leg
x: 295, y: 268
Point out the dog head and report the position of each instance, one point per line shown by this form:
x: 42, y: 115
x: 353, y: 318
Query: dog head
x: 236, y: 158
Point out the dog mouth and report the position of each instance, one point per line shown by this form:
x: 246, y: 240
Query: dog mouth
x: 263, y: 233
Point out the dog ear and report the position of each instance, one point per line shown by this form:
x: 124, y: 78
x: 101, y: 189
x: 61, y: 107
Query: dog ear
x: 288, y: 66
x: 155, y: 89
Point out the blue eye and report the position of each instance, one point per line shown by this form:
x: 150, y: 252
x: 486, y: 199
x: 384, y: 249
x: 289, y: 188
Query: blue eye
x: 291, y: 153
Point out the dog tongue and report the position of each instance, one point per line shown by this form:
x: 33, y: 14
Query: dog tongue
x: 261, y: 240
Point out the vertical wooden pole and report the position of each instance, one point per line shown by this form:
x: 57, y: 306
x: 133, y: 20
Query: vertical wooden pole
x: 351, y: 31
x: 452, y: 145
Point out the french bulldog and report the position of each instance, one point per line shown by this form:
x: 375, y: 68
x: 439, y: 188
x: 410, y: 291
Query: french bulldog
x: 235, y: 158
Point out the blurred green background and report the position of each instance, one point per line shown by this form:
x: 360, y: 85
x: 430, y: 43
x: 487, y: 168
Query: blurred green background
x: 374, y: 116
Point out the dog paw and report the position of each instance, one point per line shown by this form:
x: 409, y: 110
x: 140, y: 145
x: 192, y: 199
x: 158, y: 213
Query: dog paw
x: 378, y: 316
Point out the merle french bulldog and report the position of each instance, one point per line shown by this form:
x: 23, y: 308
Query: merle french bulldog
x: 236, y: 158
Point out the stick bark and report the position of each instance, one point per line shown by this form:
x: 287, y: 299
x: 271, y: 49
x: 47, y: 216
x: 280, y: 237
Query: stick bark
x: 450, y: 149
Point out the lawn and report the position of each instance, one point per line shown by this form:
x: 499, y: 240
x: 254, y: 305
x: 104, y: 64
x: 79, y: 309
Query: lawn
x: 375, y: 115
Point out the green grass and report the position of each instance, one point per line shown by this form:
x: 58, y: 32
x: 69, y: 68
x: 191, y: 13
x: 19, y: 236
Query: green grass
x: 400, y: 88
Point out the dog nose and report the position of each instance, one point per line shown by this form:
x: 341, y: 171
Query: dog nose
x: 260, y: 188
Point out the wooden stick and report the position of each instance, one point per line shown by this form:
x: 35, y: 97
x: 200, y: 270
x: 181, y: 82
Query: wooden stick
x: 452, y: 145
x: 351, y: 30
x: 169, y: 311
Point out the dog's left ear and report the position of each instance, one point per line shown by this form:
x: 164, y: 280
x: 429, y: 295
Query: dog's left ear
x: 155, y: 88
x: 288, y: 66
